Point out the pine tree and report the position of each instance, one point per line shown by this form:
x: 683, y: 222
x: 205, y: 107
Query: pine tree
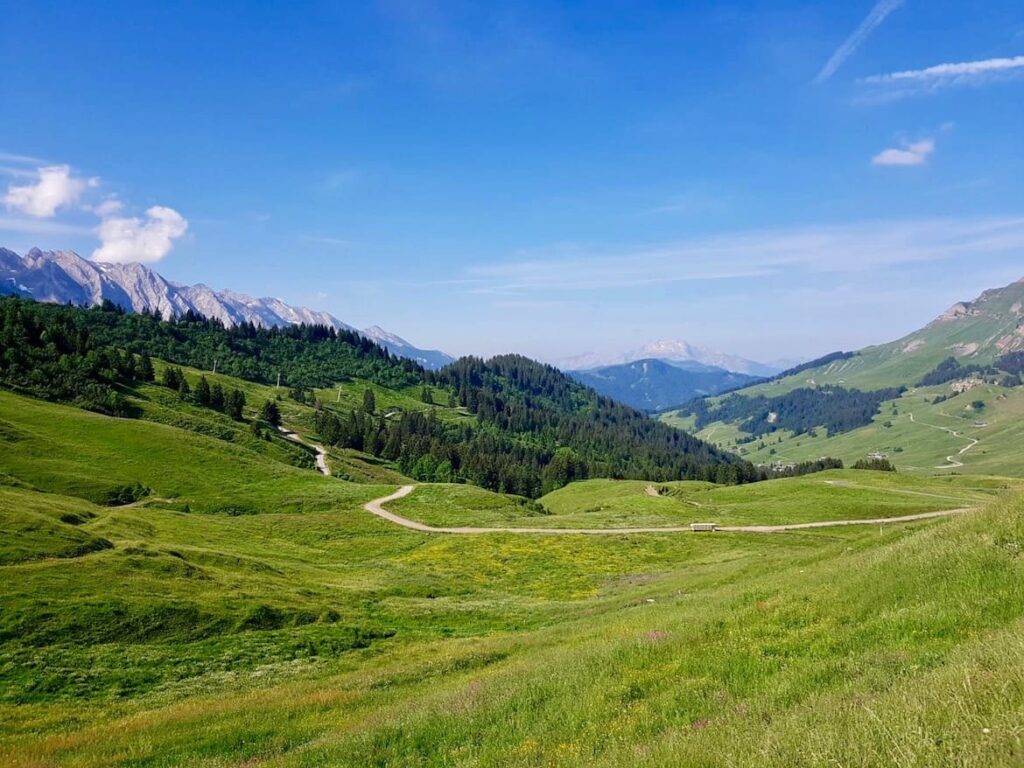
x: 427, y: 396
x: 270, y: 413
x: 145, y: 368
x: 234, y: 402
x: 217, y: 397
x: 203, y: 391
x: 369, y: 402
x: 183, y: 388
x: 172, y: 377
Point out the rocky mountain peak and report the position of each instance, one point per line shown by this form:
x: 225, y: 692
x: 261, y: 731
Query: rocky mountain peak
x: 64, y: 276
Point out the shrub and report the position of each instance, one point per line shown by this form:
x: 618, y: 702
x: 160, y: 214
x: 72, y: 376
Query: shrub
x: 878, y: 465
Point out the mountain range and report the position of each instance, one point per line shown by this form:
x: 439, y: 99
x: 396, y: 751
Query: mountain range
x: 654, y: 385
x: 675, y: 351
x: 65, y: 277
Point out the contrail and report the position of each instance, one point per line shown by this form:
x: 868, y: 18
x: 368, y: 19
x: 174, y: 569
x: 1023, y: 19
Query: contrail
x: 962, y: 71
x: 878, y: 14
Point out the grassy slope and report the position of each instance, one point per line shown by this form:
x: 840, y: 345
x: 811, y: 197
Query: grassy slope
x: 993, y: 329
x: 311, y: 633
x: 978, y: 338
x: 834, y: 495
x: 348, y: 465
x: 566, y: 651
x: 77, y: 453
x: 911, y: 445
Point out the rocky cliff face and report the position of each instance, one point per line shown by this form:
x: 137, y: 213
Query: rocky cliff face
x: 65, y: 277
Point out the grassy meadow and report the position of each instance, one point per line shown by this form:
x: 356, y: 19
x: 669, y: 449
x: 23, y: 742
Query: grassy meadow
x: 244, y: 610
x: 832, y: 495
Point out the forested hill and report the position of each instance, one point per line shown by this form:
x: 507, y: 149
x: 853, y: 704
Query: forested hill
x: 535, y: 428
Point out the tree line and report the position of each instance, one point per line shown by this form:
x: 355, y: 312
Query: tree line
x: 800, y: 411
x: 230, y: 401
x: 1005, y: 370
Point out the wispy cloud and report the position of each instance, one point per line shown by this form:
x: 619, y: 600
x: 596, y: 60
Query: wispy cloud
x: 826, y: 249
x: 940, y: 76
x: 691, y: 202
x: 856, y: 39
x: 42, y: 227
x: 325, y: 240
x: 343, y: 178
x: 8, y: 157
x: 17, y: 172
x: 911, y: 153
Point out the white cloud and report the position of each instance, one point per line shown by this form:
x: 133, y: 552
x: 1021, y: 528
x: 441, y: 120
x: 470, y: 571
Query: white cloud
x: 913, y: 153
x: 913, y: 81
x: 841, y: 249
x: 878, y: 14
x: 108, y: 207
x: 55, y: 187
x: 126, y: 239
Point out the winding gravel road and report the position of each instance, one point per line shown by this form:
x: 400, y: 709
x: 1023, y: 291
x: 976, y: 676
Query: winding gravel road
x: 952, y: 462
x: 321, y: 455
x: 377, y: 507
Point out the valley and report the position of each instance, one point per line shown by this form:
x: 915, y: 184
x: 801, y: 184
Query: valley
x: 192, y: 583
x: 532, y: 384
x: 261, y: 614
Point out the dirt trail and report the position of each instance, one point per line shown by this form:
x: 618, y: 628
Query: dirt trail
x: 952, y: 462
x: 377, y: 507
x: 321, y: 455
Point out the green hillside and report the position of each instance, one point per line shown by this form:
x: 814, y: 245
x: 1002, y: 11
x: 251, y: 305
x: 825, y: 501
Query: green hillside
x: 979, y: 397
x: 248, y: 611
x: 831, y: 495
x: 974, y: 332
x: 920, y: 444
x: 507, y: 424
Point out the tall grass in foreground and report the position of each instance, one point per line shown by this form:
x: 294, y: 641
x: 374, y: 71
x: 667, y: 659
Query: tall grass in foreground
x: 899, y: 648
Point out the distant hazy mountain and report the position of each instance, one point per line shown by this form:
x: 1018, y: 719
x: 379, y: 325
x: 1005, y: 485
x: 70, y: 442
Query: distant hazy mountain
x: 428, y: 358
x: 65, y: 277
x: 654, y: 385
x: 671, y: 352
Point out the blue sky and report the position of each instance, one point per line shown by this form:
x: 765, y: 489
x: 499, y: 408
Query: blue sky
x: 774, y: 179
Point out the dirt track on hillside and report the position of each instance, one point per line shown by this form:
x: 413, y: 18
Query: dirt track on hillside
x: 952, y: 462
x: 376, y: 507
x: 321, y: 455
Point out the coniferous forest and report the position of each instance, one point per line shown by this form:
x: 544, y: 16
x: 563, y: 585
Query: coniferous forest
x: 535, y: 429
x: 837, y: 409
